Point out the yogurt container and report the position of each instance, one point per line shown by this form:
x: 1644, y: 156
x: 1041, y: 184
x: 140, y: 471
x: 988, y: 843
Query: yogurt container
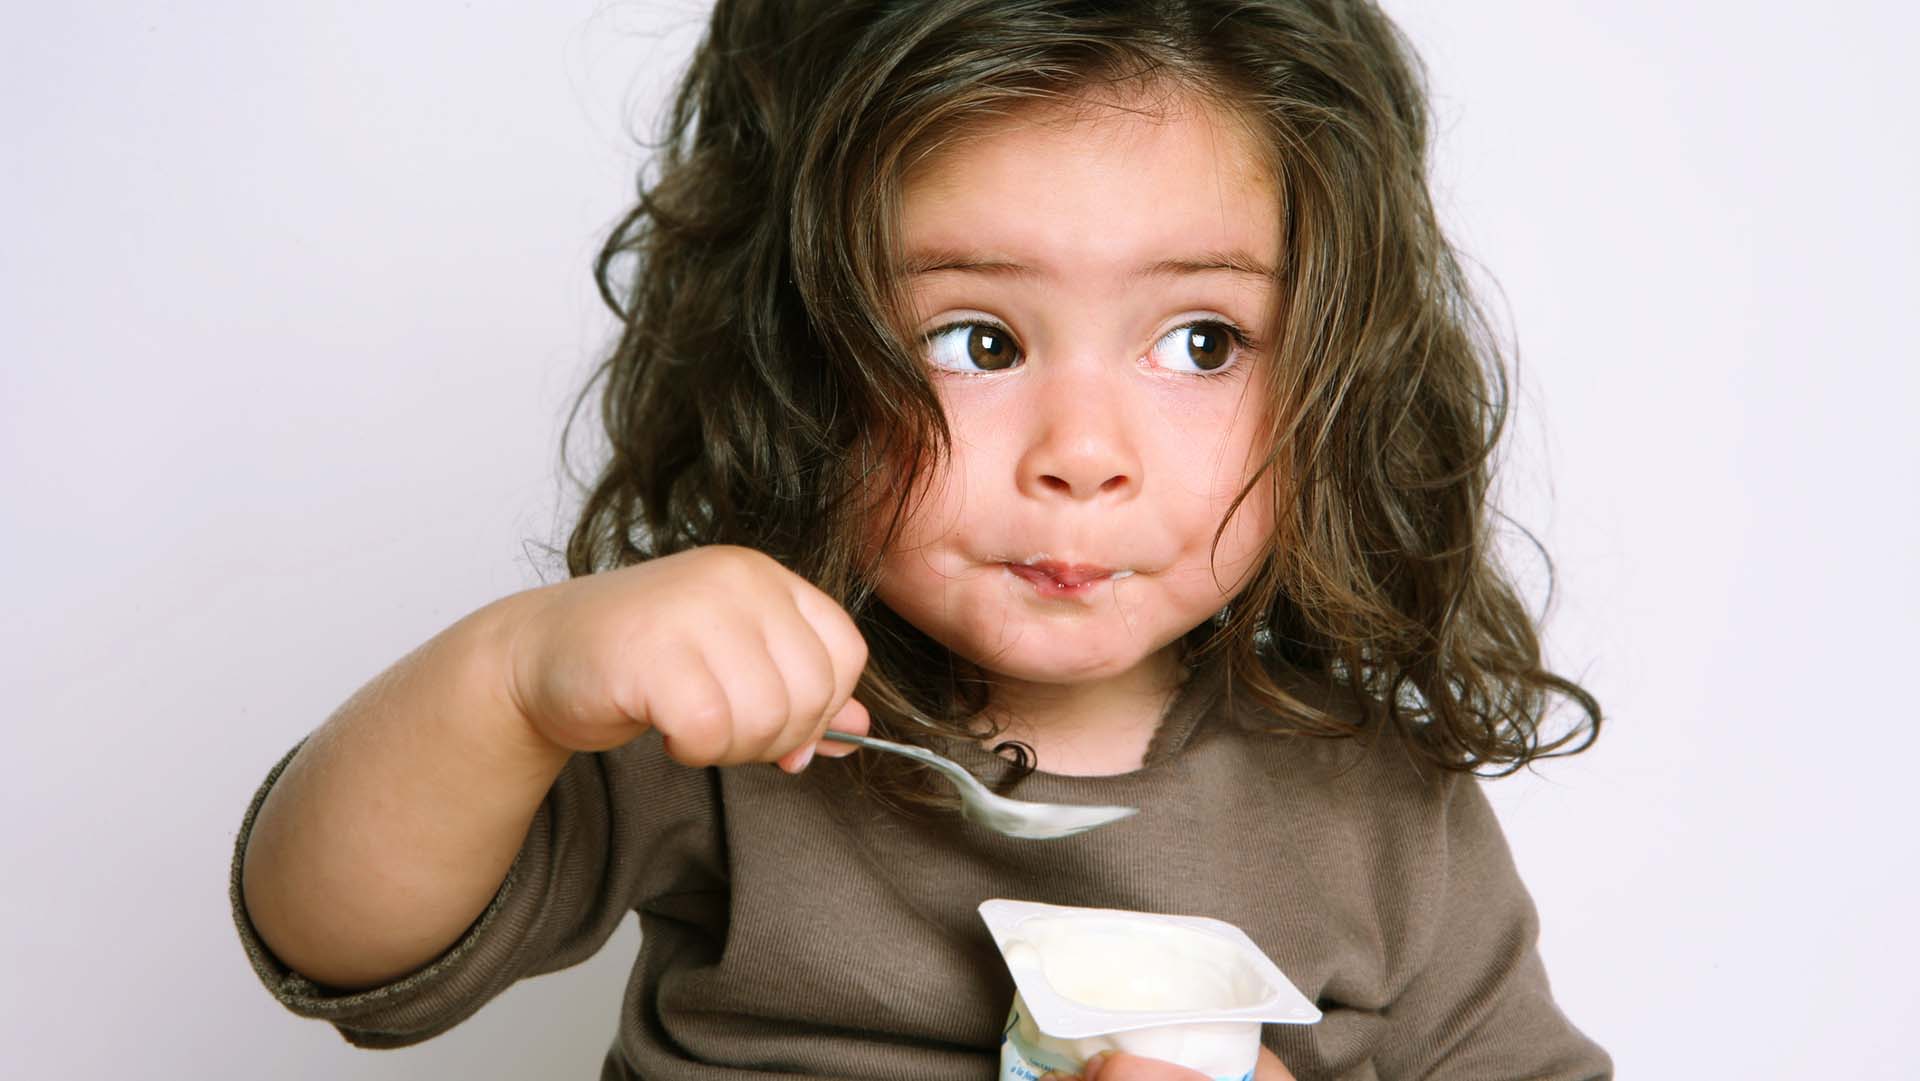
x: 1186, y: 989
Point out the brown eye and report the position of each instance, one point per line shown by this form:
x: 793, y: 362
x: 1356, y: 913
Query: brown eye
x: 972, y: 347
x: 1205, y: 346
x: 988, y: 348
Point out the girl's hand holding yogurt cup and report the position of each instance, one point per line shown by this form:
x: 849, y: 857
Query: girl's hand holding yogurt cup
x: 733, y: 657
x: 1120, y: 1066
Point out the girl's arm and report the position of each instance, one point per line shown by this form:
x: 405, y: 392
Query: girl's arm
x: 396, y: 823
x: 1480, y: 1007
x: 392, y: 828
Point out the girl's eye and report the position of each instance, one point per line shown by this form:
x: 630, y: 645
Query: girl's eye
x: 972, y: 347
x: 1208, y: 345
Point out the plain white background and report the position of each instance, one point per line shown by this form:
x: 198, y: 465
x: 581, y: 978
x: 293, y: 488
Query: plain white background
x: 293, y: 300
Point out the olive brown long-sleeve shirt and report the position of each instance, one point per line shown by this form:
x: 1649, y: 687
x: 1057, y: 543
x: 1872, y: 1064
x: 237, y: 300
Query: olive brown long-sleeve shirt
x: 790, y: 925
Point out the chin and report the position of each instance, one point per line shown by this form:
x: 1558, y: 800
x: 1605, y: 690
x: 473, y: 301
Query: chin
x: 1055, y: 660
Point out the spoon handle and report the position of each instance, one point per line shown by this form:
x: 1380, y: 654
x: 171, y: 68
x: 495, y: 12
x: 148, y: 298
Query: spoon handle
x: 1011, y: 817
x: 946, y: 766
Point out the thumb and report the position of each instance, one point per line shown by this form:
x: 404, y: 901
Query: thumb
x: 852, y: 717
x: 1122, y: 1066
x: 1270, y: 1068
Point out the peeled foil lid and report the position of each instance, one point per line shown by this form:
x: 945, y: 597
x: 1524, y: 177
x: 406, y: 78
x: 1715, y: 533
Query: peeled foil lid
x: 1024, y: 930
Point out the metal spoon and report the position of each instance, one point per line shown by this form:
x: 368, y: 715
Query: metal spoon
x: 1012, y: 817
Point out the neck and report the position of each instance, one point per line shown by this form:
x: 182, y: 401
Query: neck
x: 1089, y: 729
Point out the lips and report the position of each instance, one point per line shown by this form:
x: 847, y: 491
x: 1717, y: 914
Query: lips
x: 1066, y: 574
x: 1056, y: 579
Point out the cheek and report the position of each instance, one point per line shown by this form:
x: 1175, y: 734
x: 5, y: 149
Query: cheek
x: 908, y: 504
x: 940, y: 489
x: 1249, y: 532
x: 1213, y: 453
x: 1214, y: 572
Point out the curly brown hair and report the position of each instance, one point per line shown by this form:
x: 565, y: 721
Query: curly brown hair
x: 765, y: 363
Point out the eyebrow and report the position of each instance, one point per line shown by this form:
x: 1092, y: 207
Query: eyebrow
x: 942, y: 261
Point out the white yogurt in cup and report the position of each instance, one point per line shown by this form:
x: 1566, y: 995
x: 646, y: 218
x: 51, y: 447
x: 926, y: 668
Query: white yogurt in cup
x: 1186, y: 989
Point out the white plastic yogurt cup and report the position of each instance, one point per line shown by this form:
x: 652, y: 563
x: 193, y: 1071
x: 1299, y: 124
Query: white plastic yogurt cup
x: 1186, y: 989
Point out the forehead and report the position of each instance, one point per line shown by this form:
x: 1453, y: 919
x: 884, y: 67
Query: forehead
x: 1096, y: 185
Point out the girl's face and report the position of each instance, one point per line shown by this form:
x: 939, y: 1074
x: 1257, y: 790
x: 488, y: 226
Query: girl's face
x: 1094, y: 286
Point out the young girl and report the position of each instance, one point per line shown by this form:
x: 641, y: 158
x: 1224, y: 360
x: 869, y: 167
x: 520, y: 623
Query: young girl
x: 1080, y: 389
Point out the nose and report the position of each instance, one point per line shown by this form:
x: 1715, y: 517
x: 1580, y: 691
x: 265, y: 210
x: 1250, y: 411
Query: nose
x: 1080, y: 445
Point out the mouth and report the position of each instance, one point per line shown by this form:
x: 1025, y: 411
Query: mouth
x: 1051, y: 578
